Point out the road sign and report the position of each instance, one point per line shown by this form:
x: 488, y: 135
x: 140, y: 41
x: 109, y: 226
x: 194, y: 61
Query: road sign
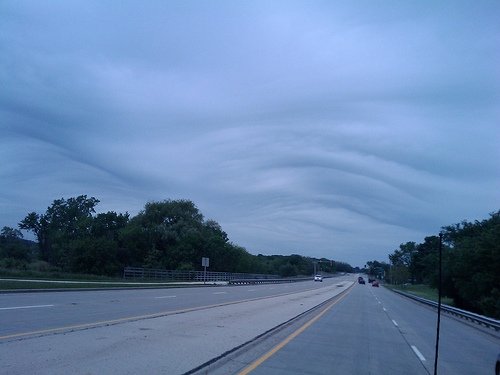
x: 205, y: 263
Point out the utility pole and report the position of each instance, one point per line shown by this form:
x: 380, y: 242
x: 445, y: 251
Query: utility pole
x: 439, y: 300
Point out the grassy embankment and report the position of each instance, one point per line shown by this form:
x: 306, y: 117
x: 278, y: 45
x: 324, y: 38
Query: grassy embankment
x: 20, y: 279
x: 423, y: 291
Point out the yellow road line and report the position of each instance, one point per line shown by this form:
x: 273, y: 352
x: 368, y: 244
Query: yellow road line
x: 280, y: 346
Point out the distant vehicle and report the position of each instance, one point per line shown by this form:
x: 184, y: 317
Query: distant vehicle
x: 318, y: 278
x: 370, y: 280
x: 497, y: 366
x: 375, y: 283
x: 361, y: 280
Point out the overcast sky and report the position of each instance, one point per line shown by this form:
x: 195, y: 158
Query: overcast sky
x: 335, y: 129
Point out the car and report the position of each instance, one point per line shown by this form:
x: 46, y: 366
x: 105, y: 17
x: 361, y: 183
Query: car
x: 318, y: 278
x: 497, y: 366
x: 361, y: 280
x: 370, y: 280
x: 375, y: 283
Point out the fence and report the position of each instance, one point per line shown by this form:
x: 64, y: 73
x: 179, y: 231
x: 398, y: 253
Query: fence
x: 177, y: 275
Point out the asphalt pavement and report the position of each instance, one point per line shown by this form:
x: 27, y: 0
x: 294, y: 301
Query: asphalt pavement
x: 23, y: 313
x: 172, y: 343
x: 352, y: 330
x: 374, y: 331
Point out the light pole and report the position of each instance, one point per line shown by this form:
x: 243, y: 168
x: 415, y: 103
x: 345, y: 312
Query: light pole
x: 316, y: 267
x: 440, y: 271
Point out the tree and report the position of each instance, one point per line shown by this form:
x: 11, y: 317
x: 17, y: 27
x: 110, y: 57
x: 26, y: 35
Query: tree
x: 471, y: 260
x: 166, y: 234
x: 39, y: 226
x: 402, y: 261
x: 13, y: 250
x: 9, y: 233
x: 63, y: 222
x: 377, y: 269
x: 425, y: 261
x: 109, y: 224
x: 475, y: 264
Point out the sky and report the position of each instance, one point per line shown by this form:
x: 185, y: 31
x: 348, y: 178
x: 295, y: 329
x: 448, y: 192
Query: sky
x: 335, y: 129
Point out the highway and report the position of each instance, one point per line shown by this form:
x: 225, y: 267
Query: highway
x: 374, y: 331
x: 23, y: 313
x: 357, y: 330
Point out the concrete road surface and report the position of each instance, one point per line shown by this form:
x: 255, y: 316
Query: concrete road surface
x: 374, y: 331
x: 22, y: 313
x: 358, y: 329
x: 170, y: 342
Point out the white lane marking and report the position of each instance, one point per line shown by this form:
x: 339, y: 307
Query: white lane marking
x: 251, y: 290
x: 220, y: 293
x: 24, y: 307
x: 396, y: 324
x: 165, y: 297
x: 417, y: 352
x: 384, y: 309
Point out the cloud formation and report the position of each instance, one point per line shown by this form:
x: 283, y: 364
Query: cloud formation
x: 326, y: 129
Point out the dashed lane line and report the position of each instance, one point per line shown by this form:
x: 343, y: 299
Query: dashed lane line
x: 126, y: 319
x: 252, y: 366
x: 24, y: 307
x: 417, y: 352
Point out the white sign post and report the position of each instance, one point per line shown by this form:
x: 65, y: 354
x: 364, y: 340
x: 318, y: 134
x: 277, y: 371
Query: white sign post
x: 205, y: 262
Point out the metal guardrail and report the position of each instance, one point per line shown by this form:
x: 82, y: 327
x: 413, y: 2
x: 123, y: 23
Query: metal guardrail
x: 476, y: 318
x: 267, y: 281
x: 178, y: 275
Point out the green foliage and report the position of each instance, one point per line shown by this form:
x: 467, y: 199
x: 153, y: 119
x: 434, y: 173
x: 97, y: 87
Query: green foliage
x: 63, y: 222
x: 72, y: 239
x: 342, y: 267
x: 288, y: 270
x: 379, y: 270
x: 169, y: 234
x: 471, y: 264
x: 476, y: 263
x: 9, y: 233
x: 14, y: 251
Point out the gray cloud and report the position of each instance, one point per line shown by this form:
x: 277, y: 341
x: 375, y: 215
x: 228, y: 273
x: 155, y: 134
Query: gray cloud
x: 321, y: 128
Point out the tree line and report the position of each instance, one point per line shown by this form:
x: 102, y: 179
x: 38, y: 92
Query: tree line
x: 470, y: 264
x: 169, y: 234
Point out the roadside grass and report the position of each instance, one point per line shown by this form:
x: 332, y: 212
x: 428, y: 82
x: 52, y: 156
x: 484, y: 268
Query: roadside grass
x: 30, y: 279
x: 52, y: 275
x: 421, y: 290
x: 12, y: 284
